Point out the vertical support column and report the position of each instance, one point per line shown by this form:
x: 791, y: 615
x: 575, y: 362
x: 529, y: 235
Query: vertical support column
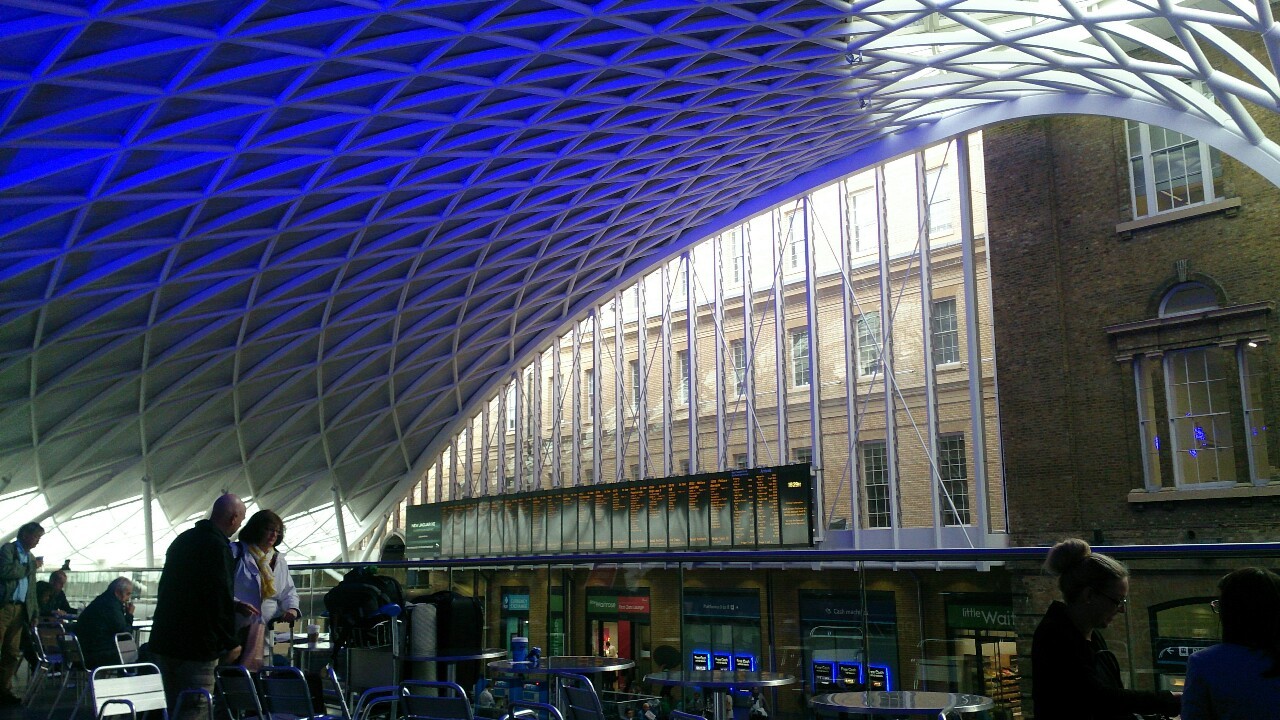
x: 717, y: 320
x: 886, y: 357
x: 575, y: 383
x: 977, y: 412
x: 597, y: 418
x: 748, y: 343
x: 620, y: 398
x: 940, y: 495
x: 148, y: 529
x: 440, y: 479
x: 502, y: 436
x: 691, y: 342
x: 848, y: 304
x: 469, y: 460
x: 557, y: 405
x: 518, y: 440
x: 642, y: 361
x: 667, y: 369
x: 462, y: 488
x: 341, y: 523
x: 535, y: 425
x: 780, y: 335
x: 486, y: 478
x: 815, y: 378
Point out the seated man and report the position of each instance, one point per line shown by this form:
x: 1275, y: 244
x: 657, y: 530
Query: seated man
x: 56, y: 605
x: 108, y: 614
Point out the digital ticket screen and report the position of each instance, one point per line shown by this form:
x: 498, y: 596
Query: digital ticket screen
x: 735, y: 510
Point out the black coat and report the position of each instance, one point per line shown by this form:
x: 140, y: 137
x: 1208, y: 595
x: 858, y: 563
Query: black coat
x: 195, y: 611
x: 1077, y: 679
x: 97, y: 626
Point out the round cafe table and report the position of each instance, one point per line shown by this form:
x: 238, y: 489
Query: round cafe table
x: 901, y: 703
x: 575, y: 664
x: 720, y: 680
x: 451, y: 660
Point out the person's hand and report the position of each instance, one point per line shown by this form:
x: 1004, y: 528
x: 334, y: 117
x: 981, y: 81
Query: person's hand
x: 128, y: 608
x: 231, y: 656
x: 291, y: 615
x: 39, y: 562
x: 246, y: 609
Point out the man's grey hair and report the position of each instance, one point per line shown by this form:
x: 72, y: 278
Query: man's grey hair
x: 119, y: 584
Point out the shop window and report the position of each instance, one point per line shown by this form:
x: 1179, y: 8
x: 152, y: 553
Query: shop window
x: 875, y: 483
x: 1169, y: 170
x: 946, y: 332
x: 952, y: 470
x: 799, y: 357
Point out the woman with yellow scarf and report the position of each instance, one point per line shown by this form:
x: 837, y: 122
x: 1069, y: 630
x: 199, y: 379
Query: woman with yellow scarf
x: 262, y: 579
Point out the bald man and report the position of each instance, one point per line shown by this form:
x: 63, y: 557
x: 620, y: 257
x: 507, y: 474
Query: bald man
x: 194, y: 627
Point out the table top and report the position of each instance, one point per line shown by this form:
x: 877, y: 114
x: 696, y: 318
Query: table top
x: 719, y: 678
x: 460, y: 656
x: 322, y: 646
x: 888, y: 702
x: 581, y: 664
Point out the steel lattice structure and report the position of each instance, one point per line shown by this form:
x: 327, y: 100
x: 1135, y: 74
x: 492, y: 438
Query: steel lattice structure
x: 279, y: 246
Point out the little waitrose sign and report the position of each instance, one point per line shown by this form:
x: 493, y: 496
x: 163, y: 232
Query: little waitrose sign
x: 980, y: 617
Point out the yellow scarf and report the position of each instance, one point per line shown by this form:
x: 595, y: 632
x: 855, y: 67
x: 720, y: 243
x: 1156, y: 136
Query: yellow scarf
x: 264, y: 570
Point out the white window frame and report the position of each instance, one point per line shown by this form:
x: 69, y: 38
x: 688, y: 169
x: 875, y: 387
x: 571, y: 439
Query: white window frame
x: 682, y: 360
x: 868, y: 343
x: 799, y: 364
x: 738, y: 354
x: 938, y: 189
x: 1145, y: 157
x: 860, y: 206
x: 1176, y: 444
x: 877, y: 480
x: 951, y: 486
x: 948, y: 352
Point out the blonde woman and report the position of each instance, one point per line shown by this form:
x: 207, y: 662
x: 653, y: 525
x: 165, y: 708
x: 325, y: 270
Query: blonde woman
x: 262, y: 580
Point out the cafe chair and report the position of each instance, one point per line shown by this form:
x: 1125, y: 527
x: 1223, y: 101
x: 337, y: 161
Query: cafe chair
x: 126, y: 648
x: 579, y: 698
x: 44, y: 640
x: 376, y: 702
x: 526, y: 710
x: 127, y: 689
x: 285, y: 692
x: 74, y: 674
x: 434, y: 700
x: 237, y: 692
x: 681, y: 715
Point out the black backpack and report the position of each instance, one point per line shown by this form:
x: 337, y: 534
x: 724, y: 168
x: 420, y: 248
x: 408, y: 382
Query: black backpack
x: 357, y: 603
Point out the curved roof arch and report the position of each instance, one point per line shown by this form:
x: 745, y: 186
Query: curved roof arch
x: 277, y: 247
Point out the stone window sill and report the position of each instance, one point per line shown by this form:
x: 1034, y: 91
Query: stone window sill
x: 1233, y: 492
x: 1228, y: 206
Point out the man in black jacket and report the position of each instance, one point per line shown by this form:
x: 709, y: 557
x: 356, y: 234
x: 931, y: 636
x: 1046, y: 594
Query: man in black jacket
x: 108, y: 614
x: 194, y: 623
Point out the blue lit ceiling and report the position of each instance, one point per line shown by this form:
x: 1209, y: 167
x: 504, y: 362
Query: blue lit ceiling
x: 277, y: 247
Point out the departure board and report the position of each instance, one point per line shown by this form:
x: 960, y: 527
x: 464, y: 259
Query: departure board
x: 740, y: 509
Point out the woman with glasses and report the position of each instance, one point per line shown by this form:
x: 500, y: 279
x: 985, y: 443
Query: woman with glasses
x: 1239, y: 679
x: 1073, y: 675
x: 262, y: 579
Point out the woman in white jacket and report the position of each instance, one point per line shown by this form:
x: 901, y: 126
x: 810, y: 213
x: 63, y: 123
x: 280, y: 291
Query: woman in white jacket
x: 262, y: 579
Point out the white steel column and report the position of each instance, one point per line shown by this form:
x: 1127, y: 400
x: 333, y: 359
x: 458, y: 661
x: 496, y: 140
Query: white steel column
x: 973, y: 335
x: 620, y: 398
x: 691, y: 343
x: 557, y: 405
x: 848, y: 304
x: 148, y: 530
x: 664, y: 338
x: 575, y: 383
x: 815, y: 378
x: 486, y: 446
x: 923, y: 193
x: 462, y: 488
x: 779, y: 336
x: 752, y: 424
x: 342, y: 524
x: 535, y: 425
x: 717, y: 321
x: 470, y: 458
x: 597, y: 418
x: 642, y: 405
x: 886, y: 356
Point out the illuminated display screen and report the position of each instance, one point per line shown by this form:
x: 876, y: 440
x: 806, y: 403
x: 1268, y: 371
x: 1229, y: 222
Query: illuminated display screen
x: 740, y: 509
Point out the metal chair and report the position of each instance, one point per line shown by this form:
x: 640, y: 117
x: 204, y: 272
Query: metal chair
x: 527, y: 710
x: 371, y: 701
x: 127, y: 688
x: 74, y: 672
x: 435, y: 700
x: 285, y: 692
x: 237, y: 691
x: 44, y: 639
x: 578, y: 697
x: 126, y: 648
x: 681, y: 715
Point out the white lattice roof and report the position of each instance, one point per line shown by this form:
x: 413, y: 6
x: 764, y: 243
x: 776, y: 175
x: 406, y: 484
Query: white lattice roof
x: 276, y: 246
